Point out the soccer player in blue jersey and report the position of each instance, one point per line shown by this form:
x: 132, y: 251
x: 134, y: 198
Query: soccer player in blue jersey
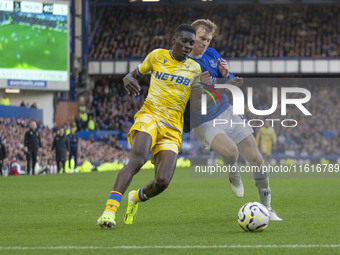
x: 158, y: 124
x: 227, y: 141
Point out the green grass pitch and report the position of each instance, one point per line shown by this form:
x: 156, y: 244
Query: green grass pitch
x: 39, y: 49
x: 58, y: 213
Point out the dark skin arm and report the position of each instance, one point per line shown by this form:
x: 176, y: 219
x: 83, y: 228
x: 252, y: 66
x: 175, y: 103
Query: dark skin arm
x: 131, y: 83
x: 146, y: 80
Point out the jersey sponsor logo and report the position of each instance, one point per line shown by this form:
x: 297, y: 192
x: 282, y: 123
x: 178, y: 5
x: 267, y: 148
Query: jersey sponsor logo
x: 213, y: 63
x: 165, y: 60
x: 172, y: 78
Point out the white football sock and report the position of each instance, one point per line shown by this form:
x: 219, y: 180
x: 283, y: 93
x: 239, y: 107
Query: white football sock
x: 264, y: 191
x: 132, y: 201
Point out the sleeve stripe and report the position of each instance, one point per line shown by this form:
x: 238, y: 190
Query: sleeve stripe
x: 137, y: 69
x: 171, y: 54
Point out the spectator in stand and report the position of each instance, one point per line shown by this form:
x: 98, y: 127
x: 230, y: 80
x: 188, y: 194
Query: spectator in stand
x: 91, y: 124
x: 4, y: 100
x: 125, y: 124
x: 20, y: 121
x: 13, y: 121
x: 52, y: 168
x: 83, y: 117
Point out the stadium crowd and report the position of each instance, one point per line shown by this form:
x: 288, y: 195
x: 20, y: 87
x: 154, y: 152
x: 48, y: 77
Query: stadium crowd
x: 12, y: 132
x: 113, y: 110
x: 314, y: 135
x: 247, y: 31
x: 110, y: 107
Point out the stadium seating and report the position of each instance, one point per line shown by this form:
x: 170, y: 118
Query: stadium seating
x: 299, y: 142
x: 246, y: 31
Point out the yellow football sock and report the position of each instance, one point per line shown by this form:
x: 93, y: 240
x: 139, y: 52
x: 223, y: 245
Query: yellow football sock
x: 139, y: 195
x: 113, y: 202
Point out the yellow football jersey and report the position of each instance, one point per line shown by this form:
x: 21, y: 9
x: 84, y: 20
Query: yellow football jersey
x: 266, y: 135
x: 170, y: 86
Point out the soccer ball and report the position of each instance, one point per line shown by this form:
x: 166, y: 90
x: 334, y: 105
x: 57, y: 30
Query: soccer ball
x: 253, y: 217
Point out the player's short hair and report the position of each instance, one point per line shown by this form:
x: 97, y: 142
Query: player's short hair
x: 185, y: 27
x: 206, y: 24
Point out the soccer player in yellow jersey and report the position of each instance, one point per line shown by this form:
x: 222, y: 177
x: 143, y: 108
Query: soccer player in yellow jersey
x: 158, y: 124
x: 265, y: 138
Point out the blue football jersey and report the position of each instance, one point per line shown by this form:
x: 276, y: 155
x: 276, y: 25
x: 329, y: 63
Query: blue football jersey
x: 208, y: 62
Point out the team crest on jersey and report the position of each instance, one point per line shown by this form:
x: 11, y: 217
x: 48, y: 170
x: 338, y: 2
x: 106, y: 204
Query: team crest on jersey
x: 213, y: 63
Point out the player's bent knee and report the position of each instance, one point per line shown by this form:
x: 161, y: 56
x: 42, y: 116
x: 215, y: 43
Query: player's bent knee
x: 257, y: 161
x: 136, y: 162
x: 230, y: 155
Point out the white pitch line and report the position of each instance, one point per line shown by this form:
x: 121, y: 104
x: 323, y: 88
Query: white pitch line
x: 294, y: 246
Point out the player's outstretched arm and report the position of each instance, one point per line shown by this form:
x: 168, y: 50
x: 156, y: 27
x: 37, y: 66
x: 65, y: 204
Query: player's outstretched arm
x: 131, y: 83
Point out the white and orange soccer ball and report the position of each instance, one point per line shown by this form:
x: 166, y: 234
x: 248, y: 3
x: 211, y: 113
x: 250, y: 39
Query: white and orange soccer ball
x: 253, y: 217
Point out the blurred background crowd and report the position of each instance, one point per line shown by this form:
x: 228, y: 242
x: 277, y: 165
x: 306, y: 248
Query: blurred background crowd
x: 247, y: 31
x: 314, y: 135
x: 113, y: 109
x: 12, y: 132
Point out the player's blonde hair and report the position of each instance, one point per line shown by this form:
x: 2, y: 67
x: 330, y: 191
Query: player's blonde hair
x: 206, y: 24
